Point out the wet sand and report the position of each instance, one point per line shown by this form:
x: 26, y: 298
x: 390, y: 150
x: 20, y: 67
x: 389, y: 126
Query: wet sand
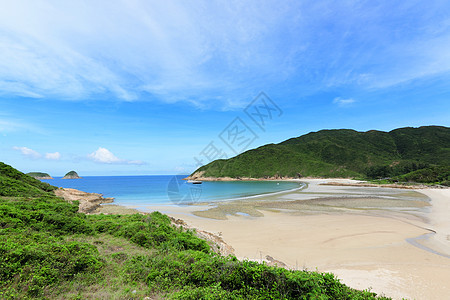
x: 395, y: 242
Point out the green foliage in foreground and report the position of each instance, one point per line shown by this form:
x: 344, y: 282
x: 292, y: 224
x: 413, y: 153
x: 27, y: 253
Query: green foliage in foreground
x: 49, y: 250
x: 341, y: 153
x: 198, y: 274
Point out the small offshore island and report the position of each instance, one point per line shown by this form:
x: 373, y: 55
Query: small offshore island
x: 71, y: 175
x: 39, y: 175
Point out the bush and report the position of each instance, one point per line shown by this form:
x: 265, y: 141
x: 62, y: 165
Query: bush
x: 193, y: 274
x: 154, y: 230
x: 44, y: 244
x: 433, y: 174
x: 43, y: 214
x: 30, y: 262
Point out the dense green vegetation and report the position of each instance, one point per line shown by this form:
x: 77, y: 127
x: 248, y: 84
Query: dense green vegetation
x: 434, y: 174
x: 342, y: 153
x: 38, y: 174
x: 49, y: 250
x: 14, y: 183
x: 71, y: 174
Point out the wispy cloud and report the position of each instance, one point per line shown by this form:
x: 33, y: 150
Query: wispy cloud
x: 214, y: 53
x: 9, y: 125
x: 104, y: 156
x: 27, y: 152
x: 343, y: 102
x: 53, y: 156
x: 30, y: 153
x: 6, y: 126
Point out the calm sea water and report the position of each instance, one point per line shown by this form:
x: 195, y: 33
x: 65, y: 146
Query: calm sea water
x: 169, y: 189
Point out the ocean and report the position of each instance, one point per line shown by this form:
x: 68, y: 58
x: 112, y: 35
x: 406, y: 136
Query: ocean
x: 169, y: 189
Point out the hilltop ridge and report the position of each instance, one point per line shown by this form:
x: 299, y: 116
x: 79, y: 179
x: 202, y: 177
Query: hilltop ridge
x: 340, y: 153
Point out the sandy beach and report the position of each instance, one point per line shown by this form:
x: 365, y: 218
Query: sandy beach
x: 395, y: 242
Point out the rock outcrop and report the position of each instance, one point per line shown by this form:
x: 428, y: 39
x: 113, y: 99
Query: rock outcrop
x: 216, y: 242
x: 71, y: 175
x: 88, y: 202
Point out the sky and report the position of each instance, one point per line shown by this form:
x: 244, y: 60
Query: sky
x: 160, y: 87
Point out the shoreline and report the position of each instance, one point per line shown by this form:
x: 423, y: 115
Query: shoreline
x: 364, y: 244
x: 358, y: 233
x: 301, y: 186
x: 332, y: 181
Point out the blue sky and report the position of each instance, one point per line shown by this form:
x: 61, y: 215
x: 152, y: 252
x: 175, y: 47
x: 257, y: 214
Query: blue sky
x: 143, y: 87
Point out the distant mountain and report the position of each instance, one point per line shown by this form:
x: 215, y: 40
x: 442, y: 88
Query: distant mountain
x: 39, y: 175
x: 340, y: 153
x: 71, y: 175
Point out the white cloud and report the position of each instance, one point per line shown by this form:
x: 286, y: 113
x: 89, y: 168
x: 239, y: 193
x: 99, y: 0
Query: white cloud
x: 103, y: 155
x: 30, y: 153
x: 53, y: 156
x: 166, y: 50
x: 343, y: 102
x: 214, y: 50
x: 27, y: 152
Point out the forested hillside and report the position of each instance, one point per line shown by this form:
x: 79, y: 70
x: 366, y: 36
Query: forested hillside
x: 341, y: 153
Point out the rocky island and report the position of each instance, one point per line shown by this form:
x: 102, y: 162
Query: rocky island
x: 71, y: 175
x: 39, y: 175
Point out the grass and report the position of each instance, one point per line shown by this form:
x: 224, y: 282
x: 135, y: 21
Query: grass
x: 50, y: 251
x: 111, y: 281
x: 131, y: 257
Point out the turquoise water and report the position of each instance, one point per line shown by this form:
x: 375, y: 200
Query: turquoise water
x: 169, y: 189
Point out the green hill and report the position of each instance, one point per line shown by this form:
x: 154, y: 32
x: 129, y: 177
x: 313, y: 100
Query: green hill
x: 340, y: 153
x: 71, y: 175
x: 14, y: 183
x: 39, y: 175
x: 50, y: 251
